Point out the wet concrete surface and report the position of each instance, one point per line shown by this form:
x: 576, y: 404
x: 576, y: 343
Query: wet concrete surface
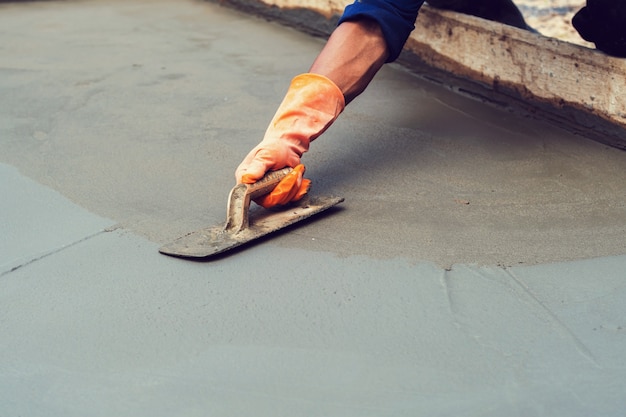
x: 475, y: 268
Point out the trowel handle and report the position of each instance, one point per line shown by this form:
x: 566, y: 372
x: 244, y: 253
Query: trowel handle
x: 240, y: 196
x: 266, y: 184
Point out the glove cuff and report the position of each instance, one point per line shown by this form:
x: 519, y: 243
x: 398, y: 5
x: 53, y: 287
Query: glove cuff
x: 310, y: 106
x: 322, y: 86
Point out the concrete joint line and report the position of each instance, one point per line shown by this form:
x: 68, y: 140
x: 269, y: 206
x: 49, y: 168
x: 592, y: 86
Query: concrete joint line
x: 49, y: 253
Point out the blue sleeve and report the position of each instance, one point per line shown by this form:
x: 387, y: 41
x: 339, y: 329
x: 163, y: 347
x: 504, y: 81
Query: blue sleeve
x: 395, y: 17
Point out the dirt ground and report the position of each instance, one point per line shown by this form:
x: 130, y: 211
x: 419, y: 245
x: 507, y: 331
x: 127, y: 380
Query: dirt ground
x: 554, y: 18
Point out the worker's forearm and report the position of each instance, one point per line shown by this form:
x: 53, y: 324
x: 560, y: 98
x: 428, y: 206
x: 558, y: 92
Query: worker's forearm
x: 352, y: 56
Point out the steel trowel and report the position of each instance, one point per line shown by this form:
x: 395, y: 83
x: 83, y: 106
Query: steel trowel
x: 244, y: 224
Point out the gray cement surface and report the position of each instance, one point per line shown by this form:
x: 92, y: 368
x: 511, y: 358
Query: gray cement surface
x: 476, y: 267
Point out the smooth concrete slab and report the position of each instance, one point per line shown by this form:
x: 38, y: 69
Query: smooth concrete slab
x: 107, y: 328
x: 38, y: 222
x: 475, y: 269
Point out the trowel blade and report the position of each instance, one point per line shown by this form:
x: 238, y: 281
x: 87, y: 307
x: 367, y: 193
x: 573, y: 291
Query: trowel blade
x: 212, y: 241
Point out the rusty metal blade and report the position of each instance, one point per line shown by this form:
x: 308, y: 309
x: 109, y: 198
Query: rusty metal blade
x: 215, y: 240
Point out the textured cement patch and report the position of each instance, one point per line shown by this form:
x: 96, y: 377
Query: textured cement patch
x: 142, y: 117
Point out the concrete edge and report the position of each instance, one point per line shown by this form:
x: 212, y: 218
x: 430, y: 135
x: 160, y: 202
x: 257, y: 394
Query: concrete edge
x: 571, y: 85
x: 568, y: 83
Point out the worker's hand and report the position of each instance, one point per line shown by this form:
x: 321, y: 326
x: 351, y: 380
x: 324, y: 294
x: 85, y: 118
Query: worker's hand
x: 310, y: 106
x: 291, y: 188
x: 271, y: 154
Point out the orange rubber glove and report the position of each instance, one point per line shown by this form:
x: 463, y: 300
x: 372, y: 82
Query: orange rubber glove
x: 310, y: 106
x: 291, y: 188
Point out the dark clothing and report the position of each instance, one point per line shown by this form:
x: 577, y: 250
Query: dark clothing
x: 395, y: 17
x: 603, y: 22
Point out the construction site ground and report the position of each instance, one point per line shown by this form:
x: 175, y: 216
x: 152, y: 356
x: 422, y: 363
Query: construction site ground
x: 476, y: 267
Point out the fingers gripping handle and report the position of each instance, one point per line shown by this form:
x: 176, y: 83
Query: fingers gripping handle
x: 240, y: 196
x: 266, y: 184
